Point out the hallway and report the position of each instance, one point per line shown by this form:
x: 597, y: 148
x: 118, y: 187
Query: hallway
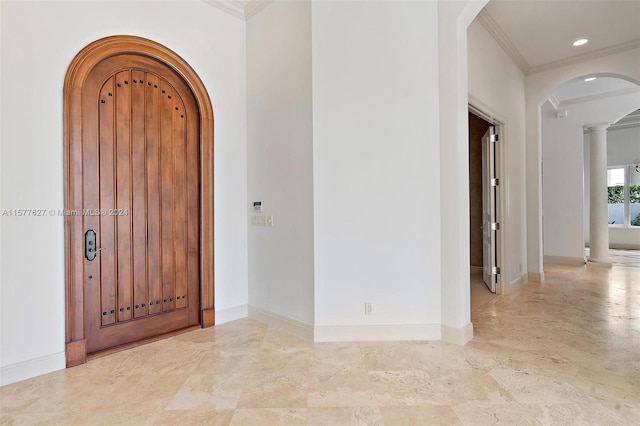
x: 563, y: 352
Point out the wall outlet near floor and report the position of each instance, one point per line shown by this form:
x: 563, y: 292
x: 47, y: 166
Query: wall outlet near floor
x: 368, y: 308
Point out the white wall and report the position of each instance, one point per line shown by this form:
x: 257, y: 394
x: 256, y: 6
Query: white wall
x: 39, y: 40
x: 376, y: 165
x: 280, y: 149
x: 623, y: 148
x: 562, y: 185
x: 498, y: 84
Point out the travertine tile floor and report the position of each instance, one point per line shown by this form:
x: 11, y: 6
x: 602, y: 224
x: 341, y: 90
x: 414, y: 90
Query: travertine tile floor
x: 563, y: 352
x: 629, y: 258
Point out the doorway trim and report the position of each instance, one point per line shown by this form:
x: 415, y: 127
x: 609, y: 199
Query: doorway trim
x: 79, y: 69
x: 476, y: 107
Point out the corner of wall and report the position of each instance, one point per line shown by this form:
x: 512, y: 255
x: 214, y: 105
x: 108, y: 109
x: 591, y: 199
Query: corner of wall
x: 457, y: 335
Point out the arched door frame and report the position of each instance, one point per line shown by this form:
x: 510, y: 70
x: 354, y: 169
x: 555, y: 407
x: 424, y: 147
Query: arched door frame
x: 79, y: 69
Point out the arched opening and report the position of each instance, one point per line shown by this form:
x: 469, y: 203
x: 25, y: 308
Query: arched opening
x: 138, y: 124
x: 566, y: 182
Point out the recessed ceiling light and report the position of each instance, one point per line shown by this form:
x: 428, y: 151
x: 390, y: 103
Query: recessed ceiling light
x: 589, y: 79
x: 580, y: 42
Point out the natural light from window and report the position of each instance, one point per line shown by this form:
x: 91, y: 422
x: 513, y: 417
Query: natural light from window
x: 623, y: 187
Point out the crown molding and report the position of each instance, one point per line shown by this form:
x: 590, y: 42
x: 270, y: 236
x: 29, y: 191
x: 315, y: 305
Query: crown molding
x: 595, y: 54
x: 555, y: 101
x: 600, y: 96
x: 254, y: 7
x: 490, y: 24
x: 240, y: 9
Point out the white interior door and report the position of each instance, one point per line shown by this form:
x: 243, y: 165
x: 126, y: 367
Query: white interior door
x: 489, y: 222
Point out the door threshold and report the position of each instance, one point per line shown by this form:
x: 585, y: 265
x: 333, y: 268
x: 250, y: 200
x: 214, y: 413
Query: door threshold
x: 119, y: 348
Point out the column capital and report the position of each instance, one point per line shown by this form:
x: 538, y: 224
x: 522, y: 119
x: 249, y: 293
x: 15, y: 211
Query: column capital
x: 597, y: 126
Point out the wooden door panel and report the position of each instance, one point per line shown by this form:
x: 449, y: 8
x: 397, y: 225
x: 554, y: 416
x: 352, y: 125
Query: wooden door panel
x: 167, y: 176
x: 146, y: 188
x: 152, y: 123
x: 106, y: 197
x: 123, y: 194
x: 139, y: 194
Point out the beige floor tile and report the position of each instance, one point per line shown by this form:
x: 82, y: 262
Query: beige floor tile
x: 208, y: 392
x: 340, y: 389
x: 276, y: 390
x: 560, y: 352
x: 339, y: 416
x: 532, y: 387
x: 333, y: 357
x: 494, y: 414
x: 194, y: 417
x: 433, y: 415
x: 584, y: 414
x: 269, y: 416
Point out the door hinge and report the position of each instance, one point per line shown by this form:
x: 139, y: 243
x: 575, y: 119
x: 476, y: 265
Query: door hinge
x: 493, y: 138
x: 495, y: 181
x: 495, y: 270
x: 495, y: 226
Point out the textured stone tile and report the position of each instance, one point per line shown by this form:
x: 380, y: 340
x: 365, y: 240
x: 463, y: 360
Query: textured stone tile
x: 532, y: 387
x: 586, y: 414
x: 194, y: 417
x: 338, y: 416
x: 270, y: 416
x: 340, y: 389
x: 494, y: 414
x: 560, y: 352
x: 285, y: 390
x: 416, y: 416
x: 208, y: 392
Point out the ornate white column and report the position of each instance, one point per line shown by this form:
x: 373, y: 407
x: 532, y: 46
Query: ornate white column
x: 598, y: 209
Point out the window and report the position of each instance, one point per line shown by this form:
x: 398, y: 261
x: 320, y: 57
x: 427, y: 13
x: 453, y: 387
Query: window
x: 624, y: 196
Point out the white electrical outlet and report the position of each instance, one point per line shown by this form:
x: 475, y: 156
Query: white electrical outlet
x: 368, y: 308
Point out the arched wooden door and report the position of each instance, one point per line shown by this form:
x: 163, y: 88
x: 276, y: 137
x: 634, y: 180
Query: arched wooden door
x: 139, y: 196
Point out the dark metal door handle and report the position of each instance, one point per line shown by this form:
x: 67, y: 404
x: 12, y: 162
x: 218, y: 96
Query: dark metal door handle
x: 90, y: 249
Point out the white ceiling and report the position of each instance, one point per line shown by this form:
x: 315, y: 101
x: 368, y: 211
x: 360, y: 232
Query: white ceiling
x: 539, y: 34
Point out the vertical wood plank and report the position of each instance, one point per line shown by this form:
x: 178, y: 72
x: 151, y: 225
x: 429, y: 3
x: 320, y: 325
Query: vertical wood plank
x: 154, y: 256
x: 180, y: 201
x: 167, y: 165
x: 106, y: 233
x: 193, y: 209
x: 138, y: 214
x: 123, y: 193
x: 91, y: 202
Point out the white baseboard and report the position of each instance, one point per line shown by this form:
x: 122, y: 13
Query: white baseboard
x: 295, y: 327
x: 513, y: 286
x: 623, y: 246
x: 535, y: 277
x: 565, y: 260
x: 231, y: 314
x: 476, y: 269
x: 370, y: 333
x: 457, y: 335
x: 31, y: 368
